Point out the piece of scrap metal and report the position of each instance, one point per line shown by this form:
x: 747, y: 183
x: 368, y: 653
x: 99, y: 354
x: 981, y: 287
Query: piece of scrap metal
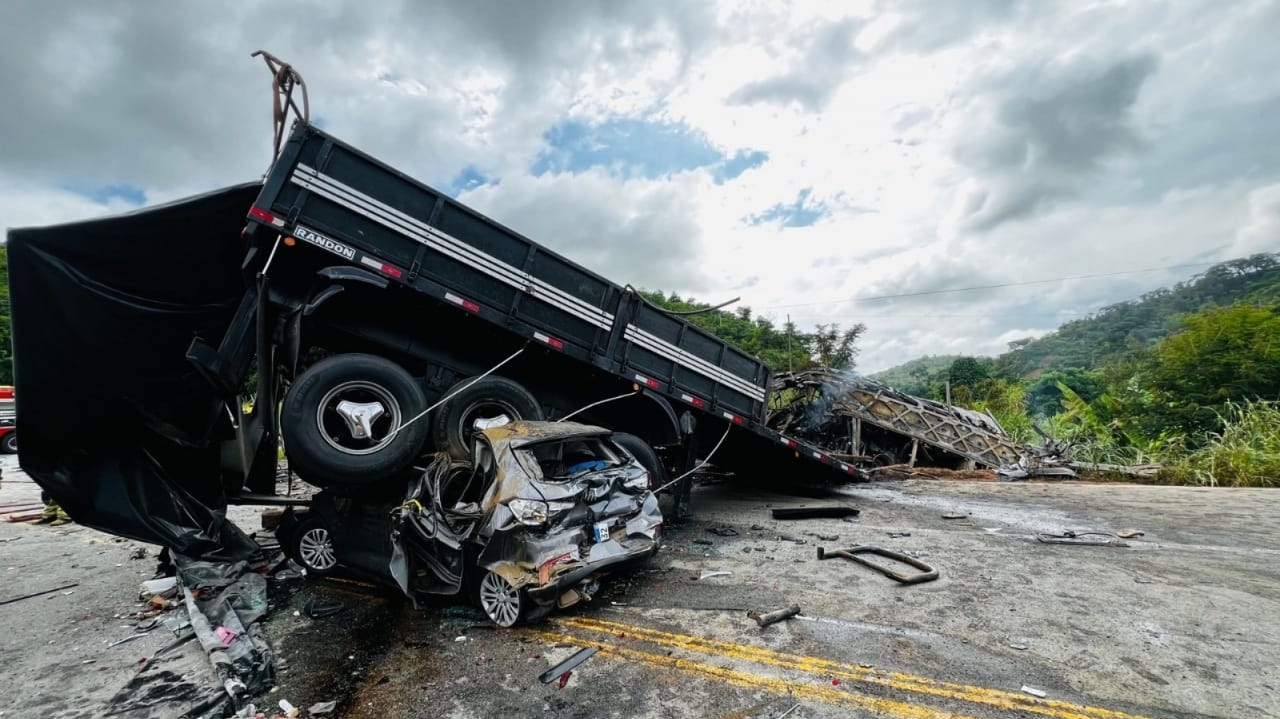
x: 926, y: 574
x: 567, y: 665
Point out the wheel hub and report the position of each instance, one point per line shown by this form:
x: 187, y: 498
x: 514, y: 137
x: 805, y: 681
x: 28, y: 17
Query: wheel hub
x: 499, y: 599
x: 360, y: 416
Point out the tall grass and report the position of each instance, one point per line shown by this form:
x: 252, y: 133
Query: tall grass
x: 1245, y: 453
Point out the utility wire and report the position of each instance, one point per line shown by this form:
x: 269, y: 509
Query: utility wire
x: 1001, y: 285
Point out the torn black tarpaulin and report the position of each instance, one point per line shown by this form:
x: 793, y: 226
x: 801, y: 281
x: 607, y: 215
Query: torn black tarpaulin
x: 115, y: 422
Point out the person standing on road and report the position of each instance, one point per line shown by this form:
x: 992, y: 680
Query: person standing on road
x: 52, y: 515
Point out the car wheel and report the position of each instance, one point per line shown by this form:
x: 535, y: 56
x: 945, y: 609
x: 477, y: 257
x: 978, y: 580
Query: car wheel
x: 501, y: 602
x: 488, y: 398
x: 311, y: 545
x: 645, y: 455
x: 344, y: 420
x: 10, y: 443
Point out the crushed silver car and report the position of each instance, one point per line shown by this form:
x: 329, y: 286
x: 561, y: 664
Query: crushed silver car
x: 540, y: 515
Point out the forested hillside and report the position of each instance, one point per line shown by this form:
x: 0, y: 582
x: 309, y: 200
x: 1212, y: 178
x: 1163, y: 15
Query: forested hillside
x: 1086, y: 343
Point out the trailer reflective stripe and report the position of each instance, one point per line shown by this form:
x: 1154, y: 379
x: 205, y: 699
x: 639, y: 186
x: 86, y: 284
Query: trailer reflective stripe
x: 695, y: 401
x: 648, y: 381
x: 466, y: 304
x: 552, y: 341
x: 419, y: 231
x: 693, y: 362
x: 446, y: 244
x: 732, y: 417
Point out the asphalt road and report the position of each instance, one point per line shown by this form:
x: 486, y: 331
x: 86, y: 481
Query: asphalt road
x: 1181, y: 622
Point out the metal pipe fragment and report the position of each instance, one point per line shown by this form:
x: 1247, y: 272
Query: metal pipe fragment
x: 774, y: 617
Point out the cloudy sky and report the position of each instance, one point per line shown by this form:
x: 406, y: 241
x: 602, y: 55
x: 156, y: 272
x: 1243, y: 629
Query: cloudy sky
x: 819, y: 159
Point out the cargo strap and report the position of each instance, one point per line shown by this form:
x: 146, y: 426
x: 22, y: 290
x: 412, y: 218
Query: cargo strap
x: 283, y: 80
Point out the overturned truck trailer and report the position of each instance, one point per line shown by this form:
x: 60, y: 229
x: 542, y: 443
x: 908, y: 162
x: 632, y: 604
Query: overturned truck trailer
x: 865, y: 421
x: 372, y: 319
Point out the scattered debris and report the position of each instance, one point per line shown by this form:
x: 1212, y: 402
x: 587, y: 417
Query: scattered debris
x: 11, y: 600
x: 830, y: 512
x: 1034, y: 692
x: 793, y: 708
x: 321, y: 708
x: 289, y: 709
x: 139, y: 553
x: 896, y: 535
x: 1129, y: 533
x: 125, y: 640
x: 1019, y: 647
x: 566, y: 667
x: 956, y: 515
x: 775, y: 616
x: 162, y: 587
x: 1080, y: 538
x: 704, y: 542
x: 723, y: 531
x: 226, y: 635
x: 927, y: 573
x: 320, y: 608
x: 710, y: 573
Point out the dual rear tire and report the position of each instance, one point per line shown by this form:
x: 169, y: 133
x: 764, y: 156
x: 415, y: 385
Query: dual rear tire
x: 354, y: 419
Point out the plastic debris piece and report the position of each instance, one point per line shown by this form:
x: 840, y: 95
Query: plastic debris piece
x: 1034, y: 692
x: 320, y: 708
x: 1019, y: 647
x: 956, y: 515
x: 793, y: 708
x: 289, y: 709
x: 225, y: 635
x: 717, y: 573
x: 1130, y: 533
x: 161, y: 586
x: 564, y: 679
x: 460, y: 639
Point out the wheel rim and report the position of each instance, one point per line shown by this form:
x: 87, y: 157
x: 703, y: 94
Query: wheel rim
x: 373, y: 404
x: 11, y: 442
x: 316, y: 549
x: 499, y: 599
x: 484, y: 409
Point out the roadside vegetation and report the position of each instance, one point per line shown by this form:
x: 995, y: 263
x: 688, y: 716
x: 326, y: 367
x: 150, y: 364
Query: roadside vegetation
x: 1185, y: 377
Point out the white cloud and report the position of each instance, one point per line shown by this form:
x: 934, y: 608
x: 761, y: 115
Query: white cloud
x: 950, y: 144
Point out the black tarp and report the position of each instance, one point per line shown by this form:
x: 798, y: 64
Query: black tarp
x: 115, y: 422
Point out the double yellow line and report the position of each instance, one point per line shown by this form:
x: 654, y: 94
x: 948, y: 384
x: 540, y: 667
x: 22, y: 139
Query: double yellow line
x: 906, y: 683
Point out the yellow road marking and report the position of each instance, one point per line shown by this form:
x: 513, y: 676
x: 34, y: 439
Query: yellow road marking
x: 895, y: 680
x: 826, y: 695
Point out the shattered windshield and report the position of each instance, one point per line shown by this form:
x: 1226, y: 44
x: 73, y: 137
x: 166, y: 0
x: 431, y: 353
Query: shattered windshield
x: 569, y: 458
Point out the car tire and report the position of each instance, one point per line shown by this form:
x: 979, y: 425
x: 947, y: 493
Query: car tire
x: 489, y: 397
x: 311, y: 545
x: 9, y: 445
x: 322, y: 442
x: 645, y: 455
x: 502, y: 603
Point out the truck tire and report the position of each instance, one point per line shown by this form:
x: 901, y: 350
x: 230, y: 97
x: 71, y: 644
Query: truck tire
x: 344, y: 421
x: 487, y: 398
x: 9, y: 445
x: 645, y: 455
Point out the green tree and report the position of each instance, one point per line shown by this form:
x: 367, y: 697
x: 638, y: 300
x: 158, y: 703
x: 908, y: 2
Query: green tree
x: 1221, y: 355
x: 835, y: 348
x: 967, y: 372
